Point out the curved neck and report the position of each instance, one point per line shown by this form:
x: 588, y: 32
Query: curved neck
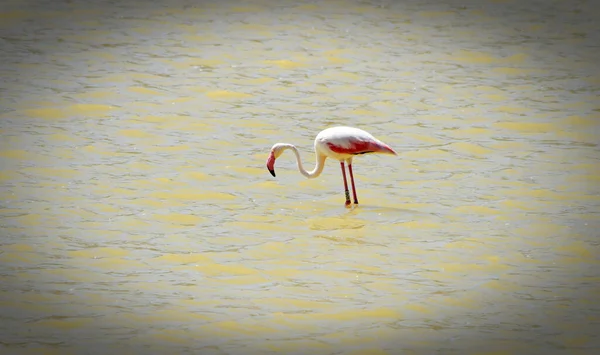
x: 320, y: 163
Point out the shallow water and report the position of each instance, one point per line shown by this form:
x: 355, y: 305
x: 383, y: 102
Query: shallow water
x: 137, y: 213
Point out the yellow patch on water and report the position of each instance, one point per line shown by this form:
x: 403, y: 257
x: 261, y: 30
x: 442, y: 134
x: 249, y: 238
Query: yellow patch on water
x: 362, y: 98
x: 502, y: 286
x: 527, y: 127
x: 102, y: 252
x: 307, y: 7
x: 494, y: 352
x: 473, y: 131
x: 215, y: 269
x: 344, y: 240
x: 333, y: 223
x: 495, y: 97
x: 169, y: 149
x: 511, y: 71
x: 348, y: 75
x: 45, y: 113
x: 242, y: 280
x: 363, y: 112
x: 593, y: 169
x: 205, y: 62
x: 135, y: 133
x: 464, y: 244
x: 45, y: 350
x: 424, y: 138
x: 516, y: 205
x: 513, y: 109
x: 542, y: 194
x: 22, y: 257
x: 290, y: 346
x: 224, y: 94
x: 59, y: 137
x: 90, y: 109
x: 425, y: 153
x: 246, y: 9
x: 187, y: 258
x: 142, y: 30
x: 179, y: 218
x: 541, y: 230
x: 258, y: 226
x: 117, y: 191
x: 14, y: 14
x: 96, y: 150
x: 582, y: 121
x: 158, y: 119
x: 470, y: 148
x: 482, y: 210
x: 238, y: 327
x: 336, y: 52
x: 584, y: 178
x: 162, y: 182
x: 582, y: 136
x: 486, y: 88
x: 285, y: 64
x: 169, y: 315
x: 181, y: 100
x: 516, y: 58
x: 245, y: 170
x: 474, y: 57
x: 576, y: 341
x: 466, y: 301
x: 177, y: 336
x: 54, y: 172
x: 368, y: 351
x: 514, y: 146
x: 203, y: 37
x: 418, y: 224
x: 258, y: 81
x: 144, y: 76
x: 351, y: 315
x: 418, y: 308
x: 254, y: 27
x: 578, y: 248
x: 23, y: 304
x: 76, y: 275
x: 196, y: 175
x: 111, y: 263
x: 291, y: 302
x: 338, y: 60
x: 17, y: 248
x: 65, y: 324
x: 143, y: 90
x: 18, y: 154
x: 193, y: 195
x: 268, y: 249
x: 417, y: 105
x: 435, y: 14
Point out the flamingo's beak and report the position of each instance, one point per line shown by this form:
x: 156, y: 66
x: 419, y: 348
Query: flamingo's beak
x: 271, y: 164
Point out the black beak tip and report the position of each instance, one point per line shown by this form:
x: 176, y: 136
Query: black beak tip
x: 272, y: 172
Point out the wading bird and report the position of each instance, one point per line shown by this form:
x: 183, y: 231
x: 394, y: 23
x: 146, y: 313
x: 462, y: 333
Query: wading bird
x: 339, y: 143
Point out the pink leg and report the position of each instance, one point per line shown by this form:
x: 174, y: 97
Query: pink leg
x: 352, y: 181
x: 345, y: 184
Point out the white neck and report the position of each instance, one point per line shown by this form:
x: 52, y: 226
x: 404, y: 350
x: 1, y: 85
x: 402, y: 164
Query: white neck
x: 320, y: 163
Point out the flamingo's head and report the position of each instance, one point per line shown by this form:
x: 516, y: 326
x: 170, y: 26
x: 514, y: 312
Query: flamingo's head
x: 276, y: 152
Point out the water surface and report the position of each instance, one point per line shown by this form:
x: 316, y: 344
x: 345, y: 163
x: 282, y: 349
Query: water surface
x: 138, y: 216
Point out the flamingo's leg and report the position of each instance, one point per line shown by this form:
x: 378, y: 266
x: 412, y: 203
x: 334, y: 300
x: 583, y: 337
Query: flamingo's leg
x: 352, y: 181
x: 345, y: 184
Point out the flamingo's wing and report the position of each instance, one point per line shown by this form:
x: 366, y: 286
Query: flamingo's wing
x: 358, y: 145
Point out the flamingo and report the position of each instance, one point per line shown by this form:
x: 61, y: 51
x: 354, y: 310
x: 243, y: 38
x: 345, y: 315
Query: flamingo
x: 340, y: 143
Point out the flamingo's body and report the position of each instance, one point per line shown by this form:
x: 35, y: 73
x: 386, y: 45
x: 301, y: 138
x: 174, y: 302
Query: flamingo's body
x: 339, y: 143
